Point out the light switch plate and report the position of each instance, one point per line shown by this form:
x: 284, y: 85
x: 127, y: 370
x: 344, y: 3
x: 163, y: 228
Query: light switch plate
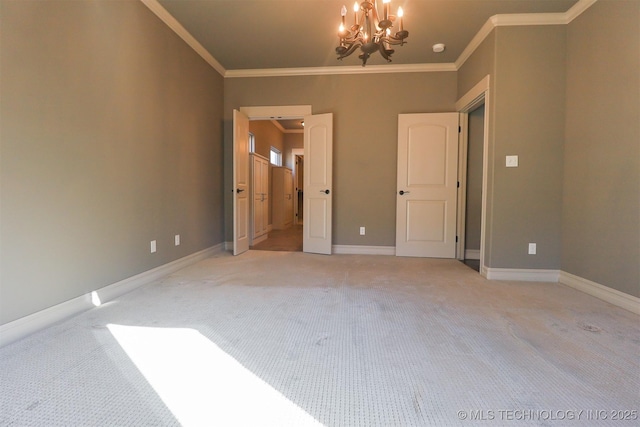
x: 512, y: 161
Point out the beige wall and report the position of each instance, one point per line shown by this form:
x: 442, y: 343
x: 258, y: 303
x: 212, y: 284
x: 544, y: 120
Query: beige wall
x: 291, y: 141
x: 528, y: 121
x: 601, y: 216
x: 111, y: 137
x: 526, y: 111
x: 365, y: 110
x: 267, y: 135
x: 480, y: 64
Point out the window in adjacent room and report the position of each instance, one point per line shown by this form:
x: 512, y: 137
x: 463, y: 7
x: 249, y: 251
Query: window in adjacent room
x: 252, y: 143
x: 276, y: 157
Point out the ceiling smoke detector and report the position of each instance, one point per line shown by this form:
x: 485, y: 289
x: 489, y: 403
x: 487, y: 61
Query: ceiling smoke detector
x: 438, y: 47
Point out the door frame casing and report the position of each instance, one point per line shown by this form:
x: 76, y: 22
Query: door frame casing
x: 276, y: 112
x: 475, y: 97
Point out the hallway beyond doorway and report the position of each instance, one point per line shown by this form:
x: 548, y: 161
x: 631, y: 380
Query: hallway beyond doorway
x: 289, y: 240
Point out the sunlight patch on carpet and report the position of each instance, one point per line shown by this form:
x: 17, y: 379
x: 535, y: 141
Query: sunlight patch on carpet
x: 203, y: 385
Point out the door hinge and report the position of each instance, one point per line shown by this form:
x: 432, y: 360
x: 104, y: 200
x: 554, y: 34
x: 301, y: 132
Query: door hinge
x: 459, y: 129
x: 456, y: 239
x: 458, y: 184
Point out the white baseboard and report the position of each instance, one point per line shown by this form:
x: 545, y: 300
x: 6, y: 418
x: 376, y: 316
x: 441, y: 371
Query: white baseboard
x: 20, y: 328
x: 472, y: 254
x: 521, y: 274
x: 363, y: 250
x: 605, y: 293
x: 483, y: 271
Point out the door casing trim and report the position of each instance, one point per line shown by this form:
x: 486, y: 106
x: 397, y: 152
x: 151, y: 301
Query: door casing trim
x: 478, y: 95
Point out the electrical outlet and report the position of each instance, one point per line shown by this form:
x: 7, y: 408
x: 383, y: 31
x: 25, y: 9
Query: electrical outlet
x: 177, y: 239
x: 153, y: 246
x: 532, y: 248
x: 362, y: 231
x: 512, y: 161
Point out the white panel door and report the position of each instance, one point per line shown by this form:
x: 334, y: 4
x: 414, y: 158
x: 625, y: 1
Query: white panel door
x: 426, y: 196
x: 240, y: 182
x: 318, y: 158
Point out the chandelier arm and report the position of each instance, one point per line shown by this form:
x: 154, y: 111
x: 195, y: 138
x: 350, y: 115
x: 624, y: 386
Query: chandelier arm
x: 364, y: 58
x: 386, y: 53
x: 352, y: 38
x: 397, y: 40
x: 352, y: 48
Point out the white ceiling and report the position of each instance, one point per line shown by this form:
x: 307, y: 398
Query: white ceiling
x: 276, y: 34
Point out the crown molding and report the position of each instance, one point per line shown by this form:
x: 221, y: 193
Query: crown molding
x: 475, y: 43
x: 277, y: 125
x: 577, y: 9
x: 516, y: 19
x: 172, y: 23
x: 521, y: 19
x: 317, y: 71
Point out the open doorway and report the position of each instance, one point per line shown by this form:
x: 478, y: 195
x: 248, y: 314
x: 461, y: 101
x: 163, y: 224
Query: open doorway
x: 473, y: 205
x: 474, y: 109
x: 318, y: 157
x: 279, y: 144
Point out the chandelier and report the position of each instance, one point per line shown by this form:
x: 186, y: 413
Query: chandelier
x: 369, y: 32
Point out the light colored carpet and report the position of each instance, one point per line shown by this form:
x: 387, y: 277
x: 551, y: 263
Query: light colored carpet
x: 282, y: 338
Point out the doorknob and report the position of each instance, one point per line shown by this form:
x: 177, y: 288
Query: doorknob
x: 402, y: 192
x: 239, y: 190
x: 325, y: 191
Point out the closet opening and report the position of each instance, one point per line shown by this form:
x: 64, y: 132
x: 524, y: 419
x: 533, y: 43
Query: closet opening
x: 473, y: 202
x: 474, y: 108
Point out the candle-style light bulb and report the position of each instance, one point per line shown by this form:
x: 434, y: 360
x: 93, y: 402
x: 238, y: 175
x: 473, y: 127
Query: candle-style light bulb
x: 343, y: 15
x: 400, y: 15
x: 355, y: 12
x: 385, y: 6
